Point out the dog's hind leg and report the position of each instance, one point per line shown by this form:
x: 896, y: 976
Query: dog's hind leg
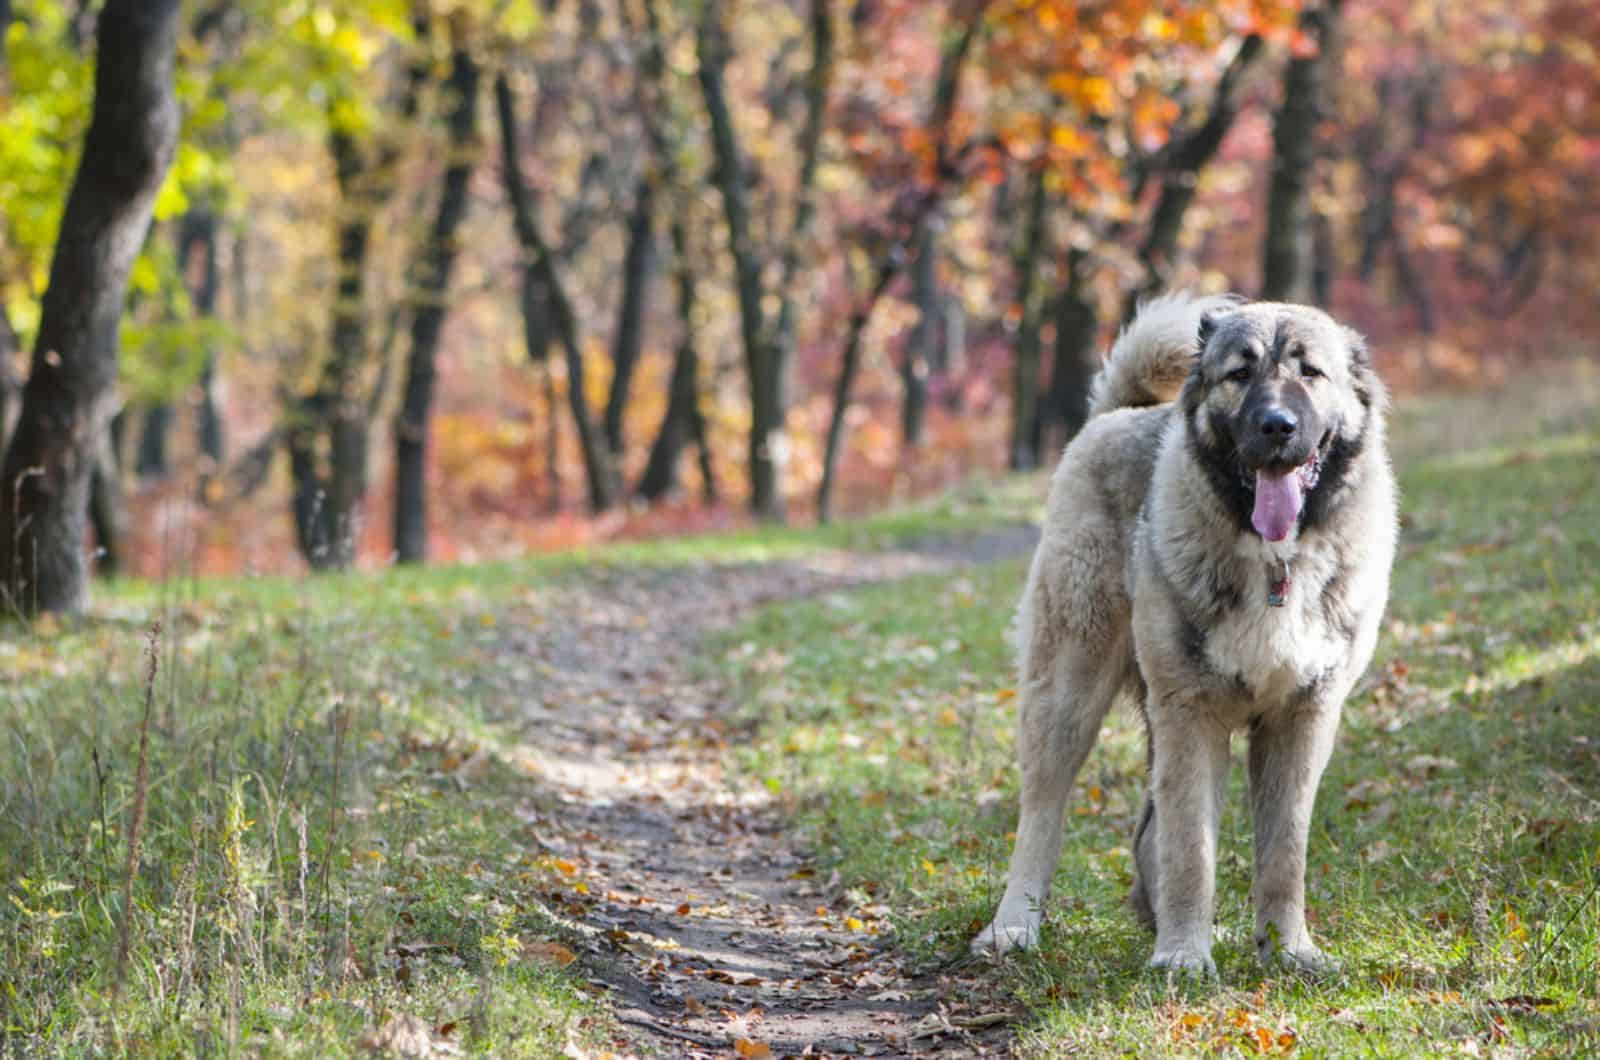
x: 1067, y: 688
x: 1142, y: 897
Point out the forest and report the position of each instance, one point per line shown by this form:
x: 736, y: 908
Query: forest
x: 459, y: 280
x: 510, y: 509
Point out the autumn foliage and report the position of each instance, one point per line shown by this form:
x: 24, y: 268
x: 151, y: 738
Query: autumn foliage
x: 970, y: 259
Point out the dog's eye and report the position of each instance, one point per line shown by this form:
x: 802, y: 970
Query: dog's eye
x: 1310, y: 371
x: 1240, y: 375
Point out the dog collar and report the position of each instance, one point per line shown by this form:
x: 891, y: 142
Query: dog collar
x: 1278, y: 588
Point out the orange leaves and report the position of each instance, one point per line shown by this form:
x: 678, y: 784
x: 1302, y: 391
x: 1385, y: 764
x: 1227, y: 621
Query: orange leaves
x: 1239, y: 1028
x: 546, y: 952
x: 1093, y: 95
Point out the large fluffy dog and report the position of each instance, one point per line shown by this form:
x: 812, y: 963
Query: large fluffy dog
x: 1217, y: 547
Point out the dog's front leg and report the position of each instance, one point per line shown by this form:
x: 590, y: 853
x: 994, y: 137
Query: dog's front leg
x: 1190, y: 767
x: 1287, y: 756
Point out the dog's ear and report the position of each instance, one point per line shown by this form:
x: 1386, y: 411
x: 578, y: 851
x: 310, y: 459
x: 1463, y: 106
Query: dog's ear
x: 1369, y: 389
x: 1360, y: 354
x: 1208, y: 327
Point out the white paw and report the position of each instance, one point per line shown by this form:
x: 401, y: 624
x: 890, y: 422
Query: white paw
x: 1306, y: 958
x: 1185, y: 960
x: 1002, y: 935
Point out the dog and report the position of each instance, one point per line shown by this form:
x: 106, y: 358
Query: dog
x: 1216, y: 547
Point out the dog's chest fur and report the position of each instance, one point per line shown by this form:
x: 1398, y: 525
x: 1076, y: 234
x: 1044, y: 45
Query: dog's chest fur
x: 1277, y: 653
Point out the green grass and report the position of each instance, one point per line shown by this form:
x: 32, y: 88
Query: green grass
x: 1455, y: 856
x: 372, y: 708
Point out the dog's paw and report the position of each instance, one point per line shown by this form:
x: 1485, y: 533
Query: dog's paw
x: 1185, y: 960
x: 1307, y: 959
x: 999, y: 937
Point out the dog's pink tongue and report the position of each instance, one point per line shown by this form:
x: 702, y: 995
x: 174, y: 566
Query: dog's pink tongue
x: 1278, y: 501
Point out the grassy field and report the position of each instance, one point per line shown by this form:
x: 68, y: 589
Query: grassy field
x: 316, y: 777
x: 1455, y: 862
x: 293, y: 839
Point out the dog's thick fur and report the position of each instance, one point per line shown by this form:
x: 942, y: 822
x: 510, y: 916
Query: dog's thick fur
x: 1152, y: 582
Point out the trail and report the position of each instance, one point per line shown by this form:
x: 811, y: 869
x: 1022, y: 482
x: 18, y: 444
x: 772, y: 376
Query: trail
x: 709, y: 927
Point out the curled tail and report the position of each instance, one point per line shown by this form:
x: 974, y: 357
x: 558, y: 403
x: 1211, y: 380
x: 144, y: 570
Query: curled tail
x: 1153, y: 352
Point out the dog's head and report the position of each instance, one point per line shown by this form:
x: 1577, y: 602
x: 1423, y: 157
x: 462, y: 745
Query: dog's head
x: 1279, y: 401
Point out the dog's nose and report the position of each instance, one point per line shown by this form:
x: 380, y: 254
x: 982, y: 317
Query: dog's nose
x: 1278, y: 424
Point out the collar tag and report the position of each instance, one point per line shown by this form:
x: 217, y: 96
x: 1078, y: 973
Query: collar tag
x: 1278, y: 590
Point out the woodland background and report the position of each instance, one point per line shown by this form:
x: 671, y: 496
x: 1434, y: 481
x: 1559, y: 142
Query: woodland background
x: 455, y: 279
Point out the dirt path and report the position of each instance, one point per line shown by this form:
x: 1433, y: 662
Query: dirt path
x: 709, y: 931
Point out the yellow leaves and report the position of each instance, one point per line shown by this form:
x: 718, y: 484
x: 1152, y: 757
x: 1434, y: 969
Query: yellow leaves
x: 929, y: 867
x: 1005, y: 694
x: 1068, y: 139
x: 854, y: 923
x: 518, y: 20
x: 1159, y: 28
x: 752, y: 1050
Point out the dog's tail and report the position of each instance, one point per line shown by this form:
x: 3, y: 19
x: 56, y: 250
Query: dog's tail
x: 1154, y: 352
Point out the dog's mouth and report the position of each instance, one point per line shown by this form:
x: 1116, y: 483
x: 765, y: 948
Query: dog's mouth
x: 1280, y: 491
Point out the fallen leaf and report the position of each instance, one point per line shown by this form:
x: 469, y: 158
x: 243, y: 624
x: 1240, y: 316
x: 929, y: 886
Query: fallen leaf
x: 550, y: 953
x: 752, y: 1049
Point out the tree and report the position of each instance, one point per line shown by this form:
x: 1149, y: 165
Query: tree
x: 638, y: 268
x: 327, y: 435
x: 435, y: 262
x: 1288, y: 253
x: 909, y: 216
x: 1179, y: 168
x: 684, y: 420
x: 1030, y: 300
x: 545, y: 304
x: 767, y: 338
x: 67, y: 401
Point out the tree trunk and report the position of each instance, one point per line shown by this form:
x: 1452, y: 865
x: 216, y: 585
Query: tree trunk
x: 683, y: 419
x: 133, y: 133
x: 849, y: 365
x: 922, y: 353
x: 638, y: 267
x: 198, y: 255
x: 540, y: 278
x: 766, y: 442
x: 328, y: 486
x: 1025, y: 378
x: 1180, y: 177
x: 431, y: 283
x: 155, y: 431
x: 1066, y: 404
x: 10, y: 384
x: 1288, y: 252
x: 107, y: 515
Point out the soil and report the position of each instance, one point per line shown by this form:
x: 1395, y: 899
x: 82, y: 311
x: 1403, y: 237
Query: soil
x: 708, y: 931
